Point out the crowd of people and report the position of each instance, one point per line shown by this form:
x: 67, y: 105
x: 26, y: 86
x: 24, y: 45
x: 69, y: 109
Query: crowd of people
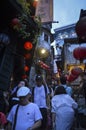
x: 39, y: 107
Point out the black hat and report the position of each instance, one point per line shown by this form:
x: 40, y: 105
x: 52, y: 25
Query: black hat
x: 39, y: 78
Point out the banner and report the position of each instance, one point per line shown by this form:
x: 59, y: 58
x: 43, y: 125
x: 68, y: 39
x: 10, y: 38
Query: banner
x: 44, y: 10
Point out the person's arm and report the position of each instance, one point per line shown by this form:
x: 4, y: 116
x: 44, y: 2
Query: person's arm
x: 36, y: 125
x: 73, y: 103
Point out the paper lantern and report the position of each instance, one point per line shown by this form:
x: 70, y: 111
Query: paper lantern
x: 27, y: 56
x: 26, y: 68
x: 28, y: 45
x: 43, y: 49
x: 79, y: 53
x: 15, y: 22
x: 24, y: 76
x: 43, y: 65
x: 71, y: 78
x: 76, y: 71
x: 35, y: 2
x: 81, y: 27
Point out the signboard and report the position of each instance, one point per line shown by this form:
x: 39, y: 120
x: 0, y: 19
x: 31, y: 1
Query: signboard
x: 44, y: 10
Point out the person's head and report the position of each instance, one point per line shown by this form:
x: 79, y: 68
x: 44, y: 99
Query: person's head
x: 26, y: 82
x: 24, y: 94
x: 60, y: 90
x: 39, y: 80
x: 21, y: 83
x: 63, y: 80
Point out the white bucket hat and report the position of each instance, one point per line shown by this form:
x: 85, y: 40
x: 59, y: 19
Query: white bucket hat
x: 23, y: 91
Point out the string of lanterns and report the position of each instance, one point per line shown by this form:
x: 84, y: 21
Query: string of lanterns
x: 43, y: 65
x: 28, y: 46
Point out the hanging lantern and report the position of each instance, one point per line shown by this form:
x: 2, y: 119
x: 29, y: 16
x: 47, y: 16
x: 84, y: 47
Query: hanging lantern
x: 24, y: 76
x: 26, y: 68
x: 35, y: 2
x: 81, y: 27
x: 71, y: 78
x: 43, y: 65
x: 43, y: 49
x: 27, y: 56
x: 79, y: 53
x: 28, y: 45
x: 15, y: 23
x: 76, y: 71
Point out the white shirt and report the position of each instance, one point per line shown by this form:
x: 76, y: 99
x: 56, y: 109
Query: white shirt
x: 63, y: 100
x: 63, y: 106
x: 26, y: 117
x: 40, y: 96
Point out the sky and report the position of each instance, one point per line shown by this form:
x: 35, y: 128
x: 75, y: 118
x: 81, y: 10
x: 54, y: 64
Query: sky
x: 66, y: 12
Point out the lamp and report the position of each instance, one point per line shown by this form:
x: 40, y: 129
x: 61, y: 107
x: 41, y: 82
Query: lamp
x: 43, y: 49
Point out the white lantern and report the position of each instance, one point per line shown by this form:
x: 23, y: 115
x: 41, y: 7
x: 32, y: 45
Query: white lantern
x: 43, y: 49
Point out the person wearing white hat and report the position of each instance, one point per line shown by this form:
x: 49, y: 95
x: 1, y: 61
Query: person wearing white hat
x: 13, y: 99
x: 28, y: 114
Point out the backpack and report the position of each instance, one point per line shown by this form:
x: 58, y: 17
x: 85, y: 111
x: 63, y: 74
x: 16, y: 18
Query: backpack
x: 45, y: 88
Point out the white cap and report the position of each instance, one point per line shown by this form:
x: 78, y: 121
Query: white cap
x: 23, y: 91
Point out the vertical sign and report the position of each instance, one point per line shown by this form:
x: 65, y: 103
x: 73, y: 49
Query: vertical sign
x: 45, y: 10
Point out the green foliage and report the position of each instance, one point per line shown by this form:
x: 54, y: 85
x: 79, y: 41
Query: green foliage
x: 24, y: 30
x: 25, y: 6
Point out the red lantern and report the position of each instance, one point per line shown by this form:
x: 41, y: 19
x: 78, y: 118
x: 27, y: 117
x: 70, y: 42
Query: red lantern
x: 35, y: 2
x: 27, y: 56
x: 76, y: 71
x: 43, y: 65
x: 15, y: 22
x: 71, y: 78
x: 24, y: 76
x: 81, y: 27
x: 79, y: 53
x: 28, y: 45
x: 26, y: 68
x: 40, y: 62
